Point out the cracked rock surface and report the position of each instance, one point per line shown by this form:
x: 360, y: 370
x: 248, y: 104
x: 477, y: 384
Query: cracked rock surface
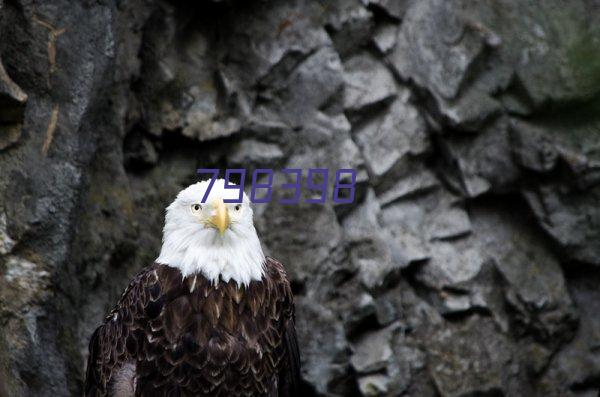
x: 469, y: 262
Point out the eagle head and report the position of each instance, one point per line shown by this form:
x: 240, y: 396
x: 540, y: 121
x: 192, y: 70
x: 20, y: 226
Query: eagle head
x: 211, y: 236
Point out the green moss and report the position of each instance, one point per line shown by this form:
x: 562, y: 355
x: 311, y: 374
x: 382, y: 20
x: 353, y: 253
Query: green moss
x: 69, y: 346
x: 584, y: 58
x: 8, y: 385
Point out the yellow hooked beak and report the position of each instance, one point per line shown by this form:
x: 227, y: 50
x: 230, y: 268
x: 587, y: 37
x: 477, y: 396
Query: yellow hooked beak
x: 220, y: 220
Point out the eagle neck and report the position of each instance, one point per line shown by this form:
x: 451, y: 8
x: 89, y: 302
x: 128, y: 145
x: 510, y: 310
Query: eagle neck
x: 236, y: 256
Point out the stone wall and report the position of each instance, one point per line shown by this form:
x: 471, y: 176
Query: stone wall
x: 468, y: 264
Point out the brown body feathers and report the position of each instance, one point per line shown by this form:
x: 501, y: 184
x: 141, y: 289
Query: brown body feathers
x: 189, y: 337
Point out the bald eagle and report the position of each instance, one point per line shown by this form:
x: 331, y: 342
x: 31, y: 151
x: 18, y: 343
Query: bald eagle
x: 211, y: 317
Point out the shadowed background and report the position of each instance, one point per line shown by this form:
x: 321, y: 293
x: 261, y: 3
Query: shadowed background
x: 468, y: 264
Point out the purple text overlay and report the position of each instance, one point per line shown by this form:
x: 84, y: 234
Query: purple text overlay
x: 317, y: 183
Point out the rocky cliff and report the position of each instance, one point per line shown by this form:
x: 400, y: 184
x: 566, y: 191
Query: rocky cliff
x: 469, y: 262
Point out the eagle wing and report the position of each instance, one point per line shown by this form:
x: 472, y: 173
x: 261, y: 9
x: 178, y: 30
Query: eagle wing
x: 116, y: 341
x: 289, y: 376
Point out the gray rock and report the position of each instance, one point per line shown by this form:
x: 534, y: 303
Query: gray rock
x: 435, y: 215
x: 250, y: 151
x: 407, y: 248
x: 400, y: 303
x: 418, y: 180
x: 569, y: 216
x: 6, y: 243
x: 452, y: 223
x: 483, y: 294
x: 367, y: 83
x: 291, y: 239
x: 565, y: 206
x: 538, y: 54
x: 470, y: 358
x: 480, y: 169
x: 203, y: 125
x: 418, y: 226
x: 389, y: 139
x: 262, y: 51
x: 374, y: 385
x: 330, y: 145
x: 358, y: 308
x: 408, y: 372
x: 385, y: 36
x: 471, y: 111
x: 434, y: 48
x: 324, y: 346
x: 373, y: 351
x: 535, y: 357
x: 310, y: 87
x: 190, y: 99
x: 369, y: 250
x: 533, y: 148
x: 350, y: 25
x: 25, y: 284
x: 578, y: 364
x: 448, y: 56
x: 536, y: 287
x: 451, y: 263
x: 76, y: 74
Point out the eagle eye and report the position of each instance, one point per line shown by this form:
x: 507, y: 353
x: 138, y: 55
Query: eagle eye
x: 196, y: 208
x: 238, y: 207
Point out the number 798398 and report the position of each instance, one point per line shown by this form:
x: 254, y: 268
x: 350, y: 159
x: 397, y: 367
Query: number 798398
x: 262, y: 182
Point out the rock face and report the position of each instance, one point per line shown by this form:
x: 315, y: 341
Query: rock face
x: 469, y: 262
